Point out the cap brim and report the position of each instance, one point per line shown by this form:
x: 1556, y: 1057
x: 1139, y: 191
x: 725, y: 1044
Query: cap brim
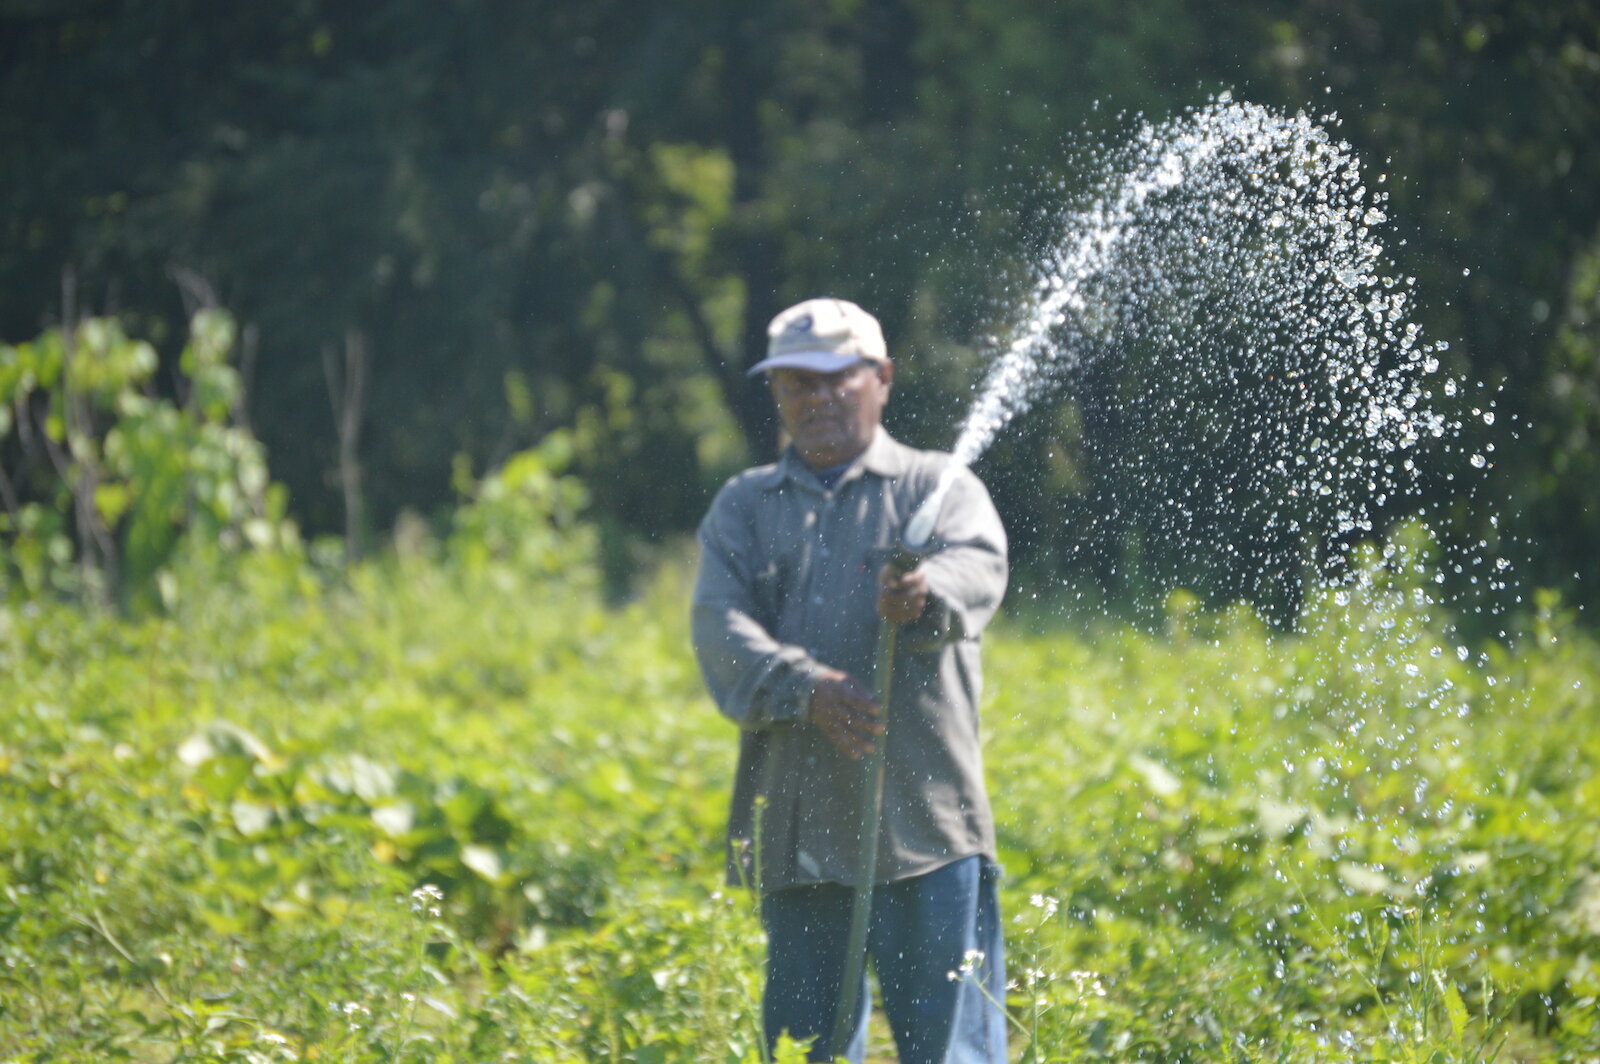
x: 815, y: 361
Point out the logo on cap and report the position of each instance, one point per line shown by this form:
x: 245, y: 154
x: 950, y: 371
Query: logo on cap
x: 802, y: 324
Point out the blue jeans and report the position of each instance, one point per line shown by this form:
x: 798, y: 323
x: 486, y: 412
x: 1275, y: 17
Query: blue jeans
x: 922, y: 929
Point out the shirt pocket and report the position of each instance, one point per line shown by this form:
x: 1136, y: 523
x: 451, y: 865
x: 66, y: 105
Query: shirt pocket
x: 778, y: 579
x: 767, y: 589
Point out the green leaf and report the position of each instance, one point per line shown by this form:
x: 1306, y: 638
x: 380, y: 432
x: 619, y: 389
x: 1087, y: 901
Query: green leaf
x: 1363, y: 880
x: 485, y: 861
x: 251, y: 818
x: 1156, y: 776
x: 789, y: 1051
x: 111, y: 500
x: 443, y: 1008
x: 1454, y: 1007
x: 395, y: 818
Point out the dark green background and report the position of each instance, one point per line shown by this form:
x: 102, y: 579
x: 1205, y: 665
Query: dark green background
x: 603, y: 202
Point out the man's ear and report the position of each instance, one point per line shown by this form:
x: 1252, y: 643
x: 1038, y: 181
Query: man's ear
x: 886, y: 372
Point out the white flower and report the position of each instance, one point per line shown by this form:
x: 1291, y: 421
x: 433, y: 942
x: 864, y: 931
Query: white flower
x: 1088, y: 983
x: 426, y: 898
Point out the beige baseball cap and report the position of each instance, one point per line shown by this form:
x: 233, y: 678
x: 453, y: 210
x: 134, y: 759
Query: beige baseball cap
x: 823, y: 336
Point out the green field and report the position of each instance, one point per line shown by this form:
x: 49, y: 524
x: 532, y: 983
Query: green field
x: 220, y: 824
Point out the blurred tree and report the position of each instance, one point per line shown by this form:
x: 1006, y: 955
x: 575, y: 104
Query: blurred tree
x: 1566, y: 413
x: 1483, y: 113
x: 549, y: 214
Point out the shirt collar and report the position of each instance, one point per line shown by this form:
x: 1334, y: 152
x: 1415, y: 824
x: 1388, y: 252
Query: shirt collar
x: 884, y: 456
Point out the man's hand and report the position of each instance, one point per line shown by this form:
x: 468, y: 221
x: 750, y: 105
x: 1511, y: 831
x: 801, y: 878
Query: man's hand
x: 846, y: 713
x: 901, y: 596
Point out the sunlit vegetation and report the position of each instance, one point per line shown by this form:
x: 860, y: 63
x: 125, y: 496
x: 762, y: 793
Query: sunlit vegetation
x: 449, y: 805
x: 446, y: 787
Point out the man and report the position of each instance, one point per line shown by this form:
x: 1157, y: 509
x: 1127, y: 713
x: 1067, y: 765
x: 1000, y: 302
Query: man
x: 792, y: 587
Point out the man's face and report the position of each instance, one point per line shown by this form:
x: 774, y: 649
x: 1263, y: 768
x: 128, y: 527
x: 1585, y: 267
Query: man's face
x: 831, y: 417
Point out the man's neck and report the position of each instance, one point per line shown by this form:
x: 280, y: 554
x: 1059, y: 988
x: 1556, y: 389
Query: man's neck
x: 832, y: 459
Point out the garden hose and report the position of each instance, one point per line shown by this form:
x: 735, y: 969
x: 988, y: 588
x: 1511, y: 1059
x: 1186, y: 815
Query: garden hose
x: 919, y: 531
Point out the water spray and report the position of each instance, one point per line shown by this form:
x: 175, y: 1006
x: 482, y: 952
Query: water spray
x: 919, y: 530
x: 1253, y: 387
x: 1285, y: 390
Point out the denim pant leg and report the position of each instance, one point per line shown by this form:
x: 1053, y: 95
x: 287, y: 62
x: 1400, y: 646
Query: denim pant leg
x: 923, y: 929
x: 807, y: 930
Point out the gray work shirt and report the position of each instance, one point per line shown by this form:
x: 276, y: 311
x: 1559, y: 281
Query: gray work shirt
x: 787, y: 584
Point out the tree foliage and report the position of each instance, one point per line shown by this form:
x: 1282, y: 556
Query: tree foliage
x: 580, y: 216
x: 101, y: 479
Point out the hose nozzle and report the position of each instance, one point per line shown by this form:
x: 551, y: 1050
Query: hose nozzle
x: 919, y: 530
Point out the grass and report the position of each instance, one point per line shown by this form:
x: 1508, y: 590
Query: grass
x: 224, y: 824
